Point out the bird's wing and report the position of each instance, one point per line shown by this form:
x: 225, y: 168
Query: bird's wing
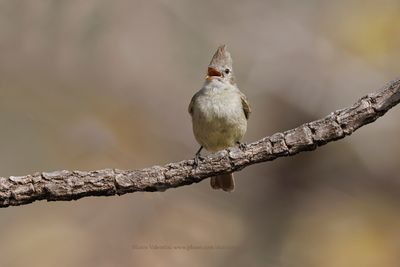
x: 190, y: 108
x: 245, y: 105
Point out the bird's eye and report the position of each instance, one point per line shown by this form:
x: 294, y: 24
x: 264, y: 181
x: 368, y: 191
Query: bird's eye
x: 227, y: 71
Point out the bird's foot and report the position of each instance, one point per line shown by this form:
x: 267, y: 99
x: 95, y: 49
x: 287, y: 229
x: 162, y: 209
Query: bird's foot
x: 197, y: 157
x: 197, y: 160
x: 241, y: 145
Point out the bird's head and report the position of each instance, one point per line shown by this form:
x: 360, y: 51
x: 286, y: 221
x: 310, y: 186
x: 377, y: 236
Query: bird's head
x: 220, y: 66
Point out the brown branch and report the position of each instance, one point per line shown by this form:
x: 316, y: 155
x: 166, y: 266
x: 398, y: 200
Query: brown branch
x: 70, y: 185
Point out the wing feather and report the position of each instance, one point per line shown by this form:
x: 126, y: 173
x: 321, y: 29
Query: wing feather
x: 245, y: 105
x: 190, y: 108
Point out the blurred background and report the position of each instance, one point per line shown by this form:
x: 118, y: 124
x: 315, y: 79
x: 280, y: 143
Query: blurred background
x: 106, y: 84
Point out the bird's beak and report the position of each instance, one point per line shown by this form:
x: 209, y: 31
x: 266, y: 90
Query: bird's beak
x: 212, y: 72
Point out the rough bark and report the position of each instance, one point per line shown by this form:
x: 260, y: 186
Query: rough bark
x: 71, y: 185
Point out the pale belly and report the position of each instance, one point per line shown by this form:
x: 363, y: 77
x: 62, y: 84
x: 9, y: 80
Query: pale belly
x: 219, y: 121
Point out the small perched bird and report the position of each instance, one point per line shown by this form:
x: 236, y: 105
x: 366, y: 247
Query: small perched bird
x: 219, y: 113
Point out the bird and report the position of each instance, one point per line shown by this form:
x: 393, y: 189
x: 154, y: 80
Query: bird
x: 219, y: 112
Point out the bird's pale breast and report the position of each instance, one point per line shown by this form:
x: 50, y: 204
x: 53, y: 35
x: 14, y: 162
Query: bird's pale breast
x: 218, y: 119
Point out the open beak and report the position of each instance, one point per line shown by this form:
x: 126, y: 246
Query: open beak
x: 212, y: 72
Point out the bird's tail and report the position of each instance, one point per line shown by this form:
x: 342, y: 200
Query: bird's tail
x: 223, y: 181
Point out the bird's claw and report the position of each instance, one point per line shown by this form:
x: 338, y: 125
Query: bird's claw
x: 197, y: 157
x: 242, y: 146
x: 196, y: 160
